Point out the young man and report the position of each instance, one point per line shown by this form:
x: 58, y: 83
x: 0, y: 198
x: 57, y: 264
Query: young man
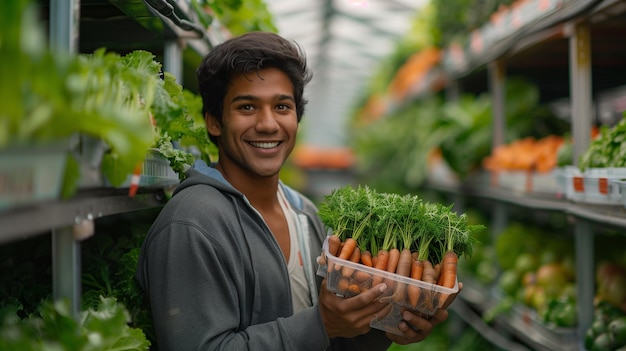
x: 230, y: 262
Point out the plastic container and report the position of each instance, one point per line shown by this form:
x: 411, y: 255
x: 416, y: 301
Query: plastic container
x: 431, y: 296
x: 575, y: 185
x: 560, y: 178
x: 30, y: 174
x: 155, y: 172
x: 543, y: 183
x: 516, y: 181
x: 599, y: 188
x: 527, y: 182
x: 621, y: 187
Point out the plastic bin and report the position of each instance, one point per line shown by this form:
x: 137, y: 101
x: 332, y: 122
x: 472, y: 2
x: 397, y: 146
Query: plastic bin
x: 31, y: 173
x: 561, y: 181
x: 575, y: 186
x: 431, y: 296
x: 599, y: 188
x: 621, y: 187
x: 527, y: 182
x: 155, y: 172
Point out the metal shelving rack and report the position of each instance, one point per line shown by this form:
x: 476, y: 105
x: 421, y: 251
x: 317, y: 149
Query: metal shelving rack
x: 140, y: 26
x: 563, y: 35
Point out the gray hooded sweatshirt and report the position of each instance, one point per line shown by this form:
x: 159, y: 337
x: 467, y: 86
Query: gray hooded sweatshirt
x: 216, y: 278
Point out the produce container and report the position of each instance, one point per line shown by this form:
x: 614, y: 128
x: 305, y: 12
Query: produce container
x: 431, y: 296
x: 621, y: 186
x: 560, y: 178
x: 517, y: 181
x: 31, y: 173
x: 527, y: 182
x: 155, y: 172
x: 574, y: 184
x: 599, y: 188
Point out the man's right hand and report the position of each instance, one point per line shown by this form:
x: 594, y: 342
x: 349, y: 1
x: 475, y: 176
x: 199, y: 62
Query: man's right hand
x: 350, y: 317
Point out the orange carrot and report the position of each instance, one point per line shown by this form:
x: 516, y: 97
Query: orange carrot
x: 449, y: 263
x: 394, y: 257
x: 346, y: 251
x: 417, y: 267
x: 437, y: 269
x: 392, y: 265
x: 428, y: 274
x: 361, y: 276
x: 355, y: 258
x: 382, y: 258
x: 354, y: 289
x: 343, y: 285
x: 366, y: 258
x: 404, y: 263
x: 404, y: 269
x: 334, y: 243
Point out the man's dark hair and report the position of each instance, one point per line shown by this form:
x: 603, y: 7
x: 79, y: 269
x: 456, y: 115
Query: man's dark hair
x: 247, y: 53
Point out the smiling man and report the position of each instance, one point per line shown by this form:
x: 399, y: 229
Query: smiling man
x: 230, y: 262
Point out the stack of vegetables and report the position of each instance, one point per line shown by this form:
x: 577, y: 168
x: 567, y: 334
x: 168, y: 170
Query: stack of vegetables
x: 537, y: 273
x: 400, y: 235
x: 607, y: 149
x: 608, y: 328
x: 525, y: 154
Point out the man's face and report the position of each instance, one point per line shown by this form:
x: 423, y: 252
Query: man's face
x: 259, y: 124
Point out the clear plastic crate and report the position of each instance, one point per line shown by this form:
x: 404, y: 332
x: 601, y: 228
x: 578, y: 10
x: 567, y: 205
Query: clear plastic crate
x: 155, y: 172
x: 29, y: 174
x: 575, y: 185
x: 599, y: 188
x: 621, y: 186
x: 560, y: 177
x: 431, y: 296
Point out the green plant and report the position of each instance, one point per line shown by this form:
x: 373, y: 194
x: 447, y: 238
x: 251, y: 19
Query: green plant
x: 54, y: 327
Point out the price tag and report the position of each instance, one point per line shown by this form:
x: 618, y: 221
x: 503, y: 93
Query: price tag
x: 579, y: 185
x: 603, y: 186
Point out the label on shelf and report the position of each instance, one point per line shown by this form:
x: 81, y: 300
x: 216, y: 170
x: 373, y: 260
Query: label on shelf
x: 603, y: 186
x: 579, y: 184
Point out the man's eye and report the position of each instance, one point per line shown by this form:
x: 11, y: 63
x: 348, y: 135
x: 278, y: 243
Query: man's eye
x: 246, y: 107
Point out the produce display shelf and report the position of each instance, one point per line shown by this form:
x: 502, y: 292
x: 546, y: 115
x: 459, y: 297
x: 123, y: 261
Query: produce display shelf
x: 469, y: 316
x: 614, y: 215
x: 30, y: 220
x: 519, y: 321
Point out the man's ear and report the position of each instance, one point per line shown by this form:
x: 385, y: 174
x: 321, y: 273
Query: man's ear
x: 212, y: 125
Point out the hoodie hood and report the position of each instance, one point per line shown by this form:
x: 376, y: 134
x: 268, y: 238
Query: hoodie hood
x: 202, y: 173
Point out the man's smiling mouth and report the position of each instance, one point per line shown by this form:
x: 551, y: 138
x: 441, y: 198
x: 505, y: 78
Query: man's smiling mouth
x: 265, y: 145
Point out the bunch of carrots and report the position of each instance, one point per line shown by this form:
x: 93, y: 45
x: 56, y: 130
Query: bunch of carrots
x: 397, y: 234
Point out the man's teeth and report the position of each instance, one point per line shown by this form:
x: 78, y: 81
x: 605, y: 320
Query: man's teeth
x: 264, y: 145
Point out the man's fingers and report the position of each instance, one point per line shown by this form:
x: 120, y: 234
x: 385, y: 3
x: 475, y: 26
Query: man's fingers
x: 371, y: 295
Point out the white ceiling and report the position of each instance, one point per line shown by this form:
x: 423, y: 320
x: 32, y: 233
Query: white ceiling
x: 344, y: 41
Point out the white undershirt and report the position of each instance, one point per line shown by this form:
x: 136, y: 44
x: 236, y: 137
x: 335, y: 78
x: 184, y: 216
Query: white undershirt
x: 300, y: 292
